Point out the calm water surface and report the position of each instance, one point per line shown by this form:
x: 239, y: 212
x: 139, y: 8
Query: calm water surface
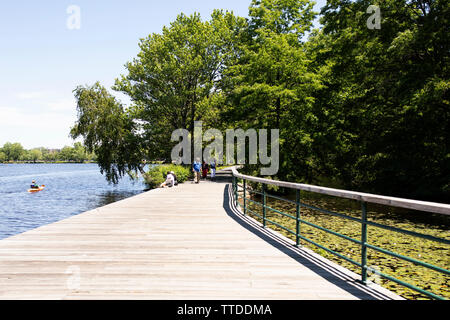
x: 70, y: 190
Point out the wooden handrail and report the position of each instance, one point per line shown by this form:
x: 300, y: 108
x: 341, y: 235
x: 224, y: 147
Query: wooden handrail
x: 434, y: 207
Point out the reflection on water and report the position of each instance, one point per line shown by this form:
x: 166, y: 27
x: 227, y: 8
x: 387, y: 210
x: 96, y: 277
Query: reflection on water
x: 113, y: 196
x: 70, y: 189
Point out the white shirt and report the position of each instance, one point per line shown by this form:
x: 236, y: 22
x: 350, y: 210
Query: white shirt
x: 170, y: 180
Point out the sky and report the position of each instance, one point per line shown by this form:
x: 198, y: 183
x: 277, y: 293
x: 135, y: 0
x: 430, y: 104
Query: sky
x: 44, y: 58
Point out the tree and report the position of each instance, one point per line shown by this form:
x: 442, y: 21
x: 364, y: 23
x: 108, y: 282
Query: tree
x: 50, y: 156
x: 175, y: 73
x: 79, y: 152
x: 66, y: 154
x: 108, y: 131
x: 271, y: 85
x: 35, y: 155
x: 13, y: 151
x: 172, y: 83
x: 386, y: 96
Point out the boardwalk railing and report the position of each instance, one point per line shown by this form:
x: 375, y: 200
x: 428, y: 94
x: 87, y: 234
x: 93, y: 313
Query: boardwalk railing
x: 363, y: 198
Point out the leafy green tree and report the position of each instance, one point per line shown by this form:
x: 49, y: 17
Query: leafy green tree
x: 50, y: 156
x: 271, y: 85
x: 67, y: 154
x: 2, y: 156
x: 386, y: 96
x: 79, y: 152
x: 109, y: 131
x: 35, y: 155
x: 293, y: 17
x: 172, y: 83
x: 176, y: 74
x: 13, y: 151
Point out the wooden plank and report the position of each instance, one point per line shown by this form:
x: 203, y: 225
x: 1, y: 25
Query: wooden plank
x: 179, y: 243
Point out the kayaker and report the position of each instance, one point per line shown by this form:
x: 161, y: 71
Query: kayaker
x: 34, y: 185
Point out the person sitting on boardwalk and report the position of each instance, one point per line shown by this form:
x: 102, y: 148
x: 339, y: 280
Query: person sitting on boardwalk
x: 170, y: 181
x: 34, y: 185
x: 196, y: 168
x: 175, y: 177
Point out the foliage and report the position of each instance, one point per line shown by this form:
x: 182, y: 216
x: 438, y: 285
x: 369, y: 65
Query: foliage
x: 175, y: 75
x: 35, y: 155
x: 13, y: 151
x: 271, y: 85
x: 77, y: 154
x: 384, y: 105
x: 108, y: 131
x: 358, y: 108
x: 157, y: 175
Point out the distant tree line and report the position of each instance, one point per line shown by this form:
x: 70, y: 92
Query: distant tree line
x: 358, y: 108
x: 14, y: 152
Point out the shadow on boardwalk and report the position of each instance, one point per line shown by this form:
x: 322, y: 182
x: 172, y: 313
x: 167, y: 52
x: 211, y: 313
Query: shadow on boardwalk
x: 339, y: 276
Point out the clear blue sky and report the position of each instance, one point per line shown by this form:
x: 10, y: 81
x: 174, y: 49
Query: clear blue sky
x: 42, y: 61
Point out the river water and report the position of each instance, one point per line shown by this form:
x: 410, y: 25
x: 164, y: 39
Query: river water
x: 71, y: 189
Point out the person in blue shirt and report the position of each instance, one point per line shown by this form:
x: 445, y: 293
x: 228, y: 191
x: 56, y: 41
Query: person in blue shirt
x: 197, y: 168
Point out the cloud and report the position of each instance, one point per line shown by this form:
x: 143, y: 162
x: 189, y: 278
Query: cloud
x: 62, y: 105
x: 46, y: 100
x: 38, y: 118
x: 39, y: 102
x: 33, y: 95
x: 13, y: 117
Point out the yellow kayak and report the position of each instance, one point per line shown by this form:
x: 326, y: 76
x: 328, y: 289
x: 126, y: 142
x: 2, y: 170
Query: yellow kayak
x: 36, y: 190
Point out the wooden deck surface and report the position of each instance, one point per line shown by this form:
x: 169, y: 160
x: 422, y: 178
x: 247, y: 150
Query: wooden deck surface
x: 187, y: 242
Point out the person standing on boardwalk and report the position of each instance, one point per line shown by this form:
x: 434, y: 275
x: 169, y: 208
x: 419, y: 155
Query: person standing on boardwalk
x: 213, y: 169
x: 205, y: 169
x: 196, y: 168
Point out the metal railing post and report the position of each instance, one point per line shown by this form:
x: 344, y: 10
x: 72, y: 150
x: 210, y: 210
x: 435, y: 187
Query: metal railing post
x: 264, y: 204
x: 236, y: 194
x: 245, y: 197
x: 234, y: 190
x: 297, y: 211
x: 364, y: 243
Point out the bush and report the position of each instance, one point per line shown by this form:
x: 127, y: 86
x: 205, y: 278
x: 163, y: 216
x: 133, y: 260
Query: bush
x: 157, y: 174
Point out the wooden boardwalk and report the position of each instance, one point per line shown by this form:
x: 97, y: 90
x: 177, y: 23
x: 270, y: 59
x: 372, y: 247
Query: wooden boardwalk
x: 187, y: 242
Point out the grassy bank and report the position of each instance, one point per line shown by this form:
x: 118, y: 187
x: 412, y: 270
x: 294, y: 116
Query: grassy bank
x: 420, y: 249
